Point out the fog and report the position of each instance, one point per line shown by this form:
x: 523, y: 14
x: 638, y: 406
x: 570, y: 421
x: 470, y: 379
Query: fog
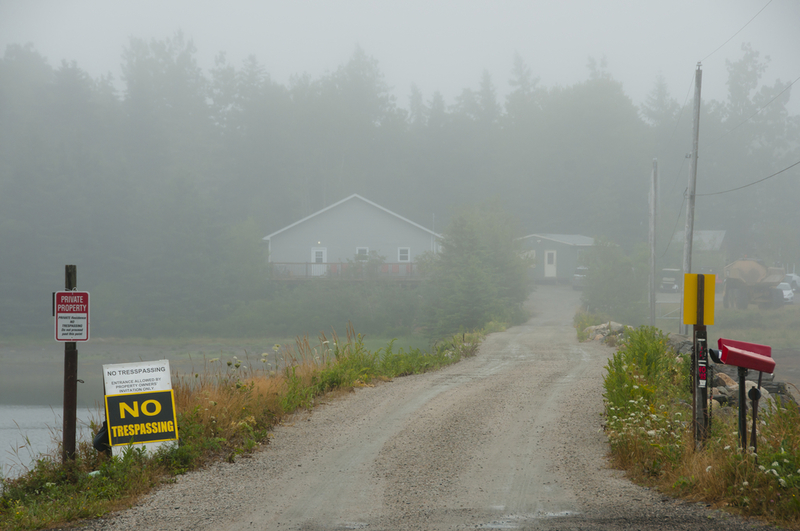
x: 439, y: 46
x: 154, y: 145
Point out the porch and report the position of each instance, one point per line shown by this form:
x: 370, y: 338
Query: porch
x: 344, y: 271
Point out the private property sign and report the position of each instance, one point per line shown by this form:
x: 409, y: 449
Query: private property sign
x: 72, y: 315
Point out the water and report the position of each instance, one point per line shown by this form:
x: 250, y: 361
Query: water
x: 27, y: 432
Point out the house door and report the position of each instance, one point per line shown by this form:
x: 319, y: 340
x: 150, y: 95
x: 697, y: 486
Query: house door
x: 549, y: 264
x: 319, y: 259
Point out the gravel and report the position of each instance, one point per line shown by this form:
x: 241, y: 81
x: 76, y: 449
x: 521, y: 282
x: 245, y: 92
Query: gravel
x: 509, y: 439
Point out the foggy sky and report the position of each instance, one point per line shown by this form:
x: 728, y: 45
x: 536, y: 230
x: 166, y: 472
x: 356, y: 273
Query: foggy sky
x: 439, y: 45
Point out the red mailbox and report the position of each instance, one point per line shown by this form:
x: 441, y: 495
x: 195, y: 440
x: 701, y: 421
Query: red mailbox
x: 746, y: 355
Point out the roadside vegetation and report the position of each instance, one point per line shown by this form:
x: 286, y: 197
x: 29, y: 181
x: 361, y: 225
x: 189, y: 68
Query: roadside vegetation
x: 649, y: 426
x: 227, y: 410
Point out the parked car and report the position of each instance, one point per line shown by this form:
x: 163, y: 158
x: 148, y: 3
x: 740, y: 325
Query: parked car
x: 788, y: 294
x: 579, y: 278
x: 793, y: 281
x: 671, y: 280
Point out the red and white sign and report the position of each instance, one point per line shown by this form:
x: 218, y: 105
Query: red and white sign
x: 72, y: 315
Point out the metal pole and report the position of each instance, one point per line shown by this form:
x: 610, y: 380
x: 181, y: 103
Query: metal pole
x: 687, y: 240
x: 742, y: 411
x: 70, y: 379
x: 653, y: 191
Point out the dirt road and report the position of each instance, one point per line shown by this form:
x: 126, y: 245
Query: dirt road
x: 509, y: 439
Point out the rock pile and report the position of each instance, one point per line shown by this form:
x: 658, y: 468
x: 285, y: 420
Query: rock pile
x: 606, y: 331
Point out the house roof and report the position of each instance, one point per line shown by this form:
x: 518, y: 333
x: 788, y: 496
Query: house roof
x: 575, y: 240
x: 346, y: 199
x: 703, y: 240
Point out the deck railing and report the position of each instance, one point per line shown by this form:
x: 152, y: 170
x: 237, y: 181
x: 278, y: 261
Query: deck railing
x: 344, y: 270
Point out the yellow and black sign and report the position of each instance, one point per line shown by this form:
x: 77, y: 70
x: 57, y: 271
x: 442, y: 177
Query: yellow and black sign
x: 141, y: 417
x: 693, y: 296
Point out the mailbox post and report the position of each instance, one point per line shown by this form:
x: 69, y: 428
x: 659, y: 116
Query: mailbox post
x: 746, y: 356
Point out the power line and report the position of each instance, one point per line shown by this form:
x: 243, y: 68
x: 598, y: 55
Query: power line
x: 737, y: 33
x: 754, y: 182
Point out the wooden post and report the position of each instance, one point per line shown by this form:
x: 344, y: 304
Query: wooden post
x: 70, y: 379
x: 700, y: 358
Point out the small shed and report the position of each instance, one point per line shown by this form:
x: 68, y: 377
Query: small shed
x: 347, y: 237
x: 557, y: 255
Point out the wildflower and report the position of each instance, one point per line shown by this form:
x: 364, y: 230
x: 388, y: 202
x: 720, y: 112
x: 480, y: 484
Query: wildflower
x: 708, y: 468
x: 774, y: 464
x: 230, y: 363
x: 277, y: 347
x: 774, y: 472
x: 636, y: 387
x: 786, y: 461
x: 745, y: 484
x: 761, y: 468
x: 782, y: 482
x: 651, y: 433
x: 678, y: 414
x: 728, y: 447
x: 212, y: 360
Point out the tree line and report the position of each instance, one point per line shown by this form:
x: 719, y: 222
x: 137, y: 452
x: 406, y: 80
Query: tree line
x: 161, y: 192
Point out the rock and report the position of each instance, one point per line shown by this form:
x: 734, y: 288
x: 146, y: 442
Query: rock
x: 723, y: 380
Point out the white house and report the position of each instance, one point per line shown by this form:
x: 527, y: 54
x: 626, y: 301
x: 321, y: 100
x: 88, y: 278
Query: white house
x: 332, y: 241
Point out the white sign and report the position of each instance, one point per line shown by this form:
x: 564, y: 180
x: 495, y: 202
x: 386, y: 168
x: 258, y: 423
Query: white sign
x: 133, y: 378
x: 141, y: 377
x: 72, y: 315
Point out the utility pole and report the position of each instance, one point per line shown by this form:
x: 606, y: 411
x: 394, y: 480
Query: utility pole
x: 688, y: 234
x: 653, y: 203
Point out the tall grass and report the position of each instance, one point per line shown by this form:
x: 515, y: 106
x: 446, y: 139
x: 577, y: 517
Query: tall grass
x: 649, y: 426
x: 227, y: 409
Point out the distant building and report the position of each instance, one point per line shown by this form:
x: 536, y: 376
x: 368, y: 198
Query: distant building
x: 339, y: 240
x: 557, y: 255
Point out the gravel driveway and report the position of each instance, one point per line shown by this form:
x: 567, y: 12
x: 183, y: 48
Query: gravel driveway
x: 508, y: 439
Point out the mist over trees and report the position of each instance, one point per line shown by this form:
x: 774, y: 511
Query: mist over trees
x: 161, y: 192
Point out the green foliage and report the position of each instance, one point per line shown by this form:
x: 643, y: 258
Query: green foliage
x: 479, y: 276
x: 649, y: 425
x: 616, y: 284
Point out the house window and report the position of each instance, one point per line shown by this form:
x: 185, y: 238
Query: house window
x: 362, y: 253
x: 404, y: 254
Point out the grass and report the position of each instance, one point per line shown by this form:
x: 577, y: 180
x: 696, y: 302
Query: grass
x: 227, y: 409
x: 779, y: 327
x: 648, y: 423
